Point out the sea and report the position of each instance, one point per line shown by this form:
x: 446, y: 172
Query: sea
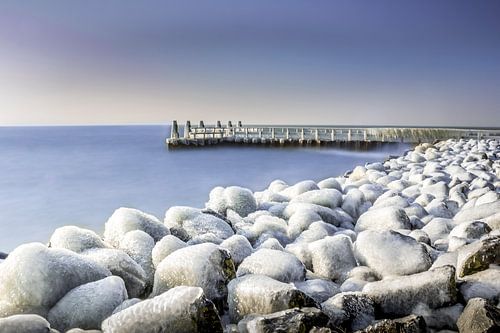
x: 51, y: 176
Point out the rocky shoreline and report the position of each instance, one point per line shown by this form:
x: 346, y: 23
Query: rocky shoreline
x: 408, y: 245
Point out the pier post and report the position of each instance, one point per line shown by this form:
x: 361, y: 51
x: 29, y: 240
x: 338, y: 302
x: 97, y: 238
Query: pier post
x: 218, y: 124
x: 365, y: 136
x: 174, y: 131
x: 202, y: 125
x: 187, y: 130
x: 316, y: 135
x: 302, y: 134
x: 349, y: 135
x: 333, y: 135
x: 246, y: 132
x: 287, y: 133
x: 239, y: 123
x: 273, y: 133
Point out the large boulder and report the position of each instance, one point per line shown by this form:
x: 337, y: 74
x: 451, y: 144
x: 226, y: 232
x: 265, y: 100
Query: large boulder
x: 438, y: 228
x: 479, y: 316
x: 350, y: 310
x: 299, y: 188
x: 120, y: 264
x: 238, y: 199
x: 484, y: 284
x: 187, y: 223
x: 376, y: 250
x: 88, y: 305
x: 478, y: 212
x: 279, y: 265
x: 25, y: 323
x: 139, y: 246
x: 239, y: 247
x: 385, y: 218
x: 470, y: 230
x: 332, y: 257
x: 318, y: 289
x: 261, y: 294
x: 76, y: 239
x: 33, y: 278
x: 330, y: 198
x: 181, y: 309
x: 206, y: 265
x: 440, y: 318
x: 399, y: 295
x: 124, y: 220
x: 164, y: 247
x: 478, y: 256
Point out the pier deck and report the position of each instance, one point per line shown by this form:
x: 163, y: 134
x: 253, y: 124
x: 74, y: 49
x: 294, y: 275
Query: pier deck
x: 268, y: 134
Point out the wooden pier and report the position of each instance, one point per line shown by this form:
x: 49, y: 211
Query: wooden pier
x: 266, y: 134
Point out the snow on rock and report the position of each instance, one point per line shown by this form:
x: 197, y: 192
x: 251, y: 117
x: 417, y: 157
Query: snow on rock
x: 86, y: 306
x: 187, y: 222
x: 25, y: 323
x: 478, y: 212
x: 332, y: 257
x: 239, y: 247
x: 484, y: 284
x: 206, y: 265
x: 318, y: 289
x: 386, y: 218
x: 399, y: 295
x: 299, y: 188
x: 354, y: 203
x: 238, y: 199
x: 33, y: 278
x: 331, y: 183
x: 378, y: 249
x: 124, y: 220
x: 76, y: 239
x: 470, y: 230
x: 139, y: 246
x: 279, y: 265
x: 351, y: 311
x: 181, y: 309
x: 164, y: 247
x: 438, y: 228
x: 261, y: 294
x: 271, y: 243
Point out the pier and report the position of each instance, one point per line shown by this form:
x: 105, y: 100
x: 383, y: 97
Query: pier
x: 202, y: 134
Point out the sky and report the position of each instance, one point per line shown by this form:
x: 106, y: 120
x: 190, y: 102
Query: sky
x: 350, y: 62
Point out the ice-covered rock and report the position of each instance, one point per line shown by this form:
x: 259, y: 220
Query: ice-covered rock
x: 299, y: 188
x: 438, y: 228
x: 181, y: 309
x: 386, y: 218
x: 76, y: 239
x: 440, y: 318
x: 300, y: 221
x: 377, y: 249
x: 279, y: 265
x: 126, y: 304
x: 271, y: 243
x: 124, y: 220
x: 164, y: 247
x: 473, y: 229
x: 478, y: 212
x: 400, y: 295
x: 139, y: 246
x: 86, y: 306
x: 187, y: 222
x: 351, y: 311
x: 25, y: 323
x: 408, y: 324
x: 484, y: 284
x: 33, y: 278
x: 239, y: 247
x: 478, y: 256
x: 318, y: 289
x: 120, y: 264
x: 332, y: 257
x: 479, y: 316
x: 238, y: 199
x: 330, y: 183
x: 355, y: 203
x: 204, y: 265
x: 261, y: 294
x: 330, y: 198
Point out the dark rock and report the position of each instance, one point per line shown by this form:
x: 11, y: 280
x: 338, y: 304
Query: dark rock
x: 408, y: 324
x: 350, y: 310
x: 479, y: 316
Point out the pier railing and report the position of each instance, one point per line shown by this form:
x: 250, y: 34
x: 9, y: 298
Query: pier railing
x: 257, y: 134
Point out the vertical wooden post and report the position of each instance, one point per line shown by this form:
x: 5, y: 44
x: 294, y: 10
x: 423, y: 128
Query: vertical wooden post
x: 302, y: 133
x: 246, y: 132
x: 349, y: 135
x: 174, y: 131
x: 316, y: 135
x: 187, y: 130
x: 239, y: 123
x: 365, y: 136
x: 273, y: 135
x: 287, y: 134
x: 333, y: 135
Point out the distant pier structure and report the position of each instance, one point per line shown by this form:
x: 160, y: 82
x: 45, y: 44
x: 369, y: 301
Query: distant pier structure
x: 268, y: 134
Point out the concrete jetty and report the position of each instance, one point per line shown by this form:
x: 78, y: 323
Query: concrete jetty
x: 272, y: 134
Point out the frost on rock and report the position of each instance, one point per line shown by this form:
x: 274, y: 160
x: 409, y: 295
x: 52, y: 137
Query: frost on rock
x: 318, y: 289
x: 355, y: 203
x: 238, y: 199
x: 139, y: 246
x: 126, y: 304
x: 76, y: 239
x: 478, y: 256
x: 239, y: 247
x: 399, y: 295
x: 261, y: 294
x: 484, y: 284
x: 350, y: 310
x: 299, y: 188
x: 120, y: 264
x: 332, y: 257
x: 164, y: 247
x: 124, y: 220
x: 25, y: 323
x: 300, y: 221
x: 470, y: 230
x: 279, y: 265
x: 386, y: 218
x: 332, y: 183
x: 438, y: 228
x: 391, y: 253
x: 187, y: 223
x: 271, y: 243
x: 182, y: 309
x: 86, y: 306
x: 204, y: 265
x: 33, y: 278
x: 330, y: 198
x: 332, y: 216
x: 478, y: 212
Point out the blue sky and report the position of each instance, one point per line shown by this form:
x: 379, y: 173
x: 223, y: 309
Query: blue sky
x: 316, y: 62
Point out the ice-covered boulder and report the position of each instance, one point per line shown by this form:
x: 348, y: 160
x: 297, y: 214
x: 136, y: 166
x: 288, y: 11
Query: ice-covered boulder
x: 187, y: 222
x: 399, y: 295
x: 332, y: 216
x: 300, y: 221
x: 33, y: 278
x: 354, y: 203
x: 378, y: 249
x: 239, y: 247
x: 408, y: 324
x: 299, y: 188
x: 164, y: 247
x: 126, y: 304
x: 479, y: 316
x: 478, y: 212
x: 478, y: 256
x: 76, y: 239
x: 440, y: 318
x: 139, y: 246
x: 470, y: 230
x: 25, y: 323
x: 271, y: 243
x: 438, y: 228
x: 332, y: 257
x: 330, y: 183
x: 385, y: 218
x: 484, y: 284
x: 204, y: 265
x: 124, y: 220
x: 279, y: 265
x: 261, y: 294
x: 351, y: 311
x: 181, y: 309
x: 330, y: 198
x: 120, y: 264
x: 318, y: 289
x: 238, y: 199
x: 86, y: 306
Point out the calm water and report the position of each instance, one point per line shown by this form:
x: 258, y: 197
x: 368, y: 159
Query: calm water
x: 54, y: 176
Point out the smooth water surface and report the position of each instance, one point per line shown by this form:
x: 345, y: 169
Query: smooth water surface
x: 54, y: 176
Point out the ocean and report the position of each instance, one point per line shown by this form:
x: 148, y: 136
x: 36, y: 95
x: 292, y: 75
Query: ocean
x: 78, y: 175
